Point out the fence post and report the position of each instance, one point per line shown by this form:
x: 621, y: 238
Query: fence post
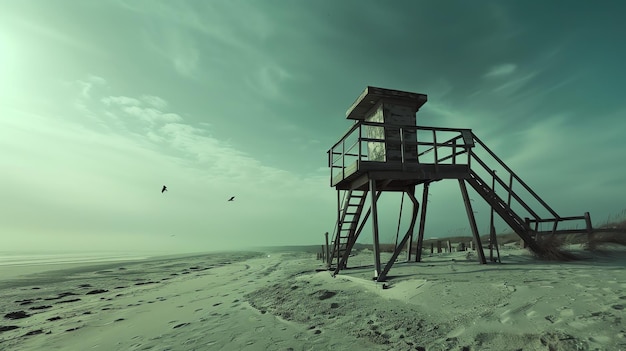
x: 589, y: 227
x: 327, y: 250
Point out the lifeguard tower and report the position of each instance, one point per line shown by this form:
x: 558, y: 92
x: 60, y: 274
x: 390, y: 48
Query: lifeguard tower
x: 386, y: 151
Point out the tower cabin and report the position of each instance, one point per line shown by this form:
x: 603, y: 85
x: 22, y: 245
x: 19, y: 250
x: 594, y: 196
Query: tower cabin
x: 386, y: 151
x: 385, y: 145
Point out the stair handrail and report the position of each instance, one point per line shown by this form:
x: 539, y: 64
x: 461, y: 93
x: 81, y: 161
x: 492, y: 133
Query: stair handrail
x: 513, y: 175
x: 508, y: 189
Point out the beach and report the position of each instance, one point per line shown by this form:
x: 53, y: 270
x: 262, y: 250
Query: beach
x: 286, y: 300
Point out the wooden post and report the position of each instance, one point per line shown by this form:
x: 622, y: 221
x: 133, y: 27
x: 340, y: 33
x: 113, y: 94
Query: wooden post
x: 449, y: 246
x: 383, y: 275
x: 438, y: 246
x: 327, y: 250
x: 420, y: 233
x: 375, y: 229
x: 432, y: 247
x: 589, y: 227
x: 472, y: 220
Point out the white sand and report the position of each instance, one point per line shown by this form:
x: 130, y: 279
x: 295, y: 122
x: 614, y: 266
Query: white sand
x: 241, y: 302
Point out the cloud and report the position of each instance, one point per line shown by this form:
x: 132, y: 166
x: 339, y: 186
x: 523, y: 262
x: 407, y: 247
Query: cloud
x: 501, y: 70
x: 268, y: 81
x: 120, y: 100
x: 114, y: 175
x: 154, y: 101
x: 514, y: 85
x: 151, y: 115
x: 61, y: 36
x: 227, y: 24
x: 179, y: 48
x: 87, y: 84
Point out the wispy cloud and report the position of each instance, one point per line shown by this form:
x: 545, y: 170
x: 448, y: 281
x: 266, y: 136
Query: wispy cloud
x: 514, y: 85
x: 269, y: 80
x: 120, y: 100
x: 187, y: 31
x: 88, y: 83
x: 178, y: 46
x: 57, y: 34
x: 155, y: 101
x: 501, y: 70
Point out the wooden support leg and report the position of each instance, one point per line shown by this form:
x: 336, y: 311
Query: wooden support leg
x: 410, y: 241
x: 383, y: 274
x: 420, y: 233
x: 472, y: 220
x: 376, y: 243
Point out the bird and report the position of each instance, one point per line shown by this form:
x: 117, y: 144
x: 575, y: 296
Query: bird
x: 164, y: 189
x: 232, y: 198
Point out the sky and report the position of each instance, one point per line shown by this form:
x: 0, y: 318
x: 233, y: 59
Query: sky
x: 104, y: 102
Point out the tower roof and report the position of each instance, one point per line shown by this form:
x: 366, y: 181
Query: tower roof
x: 372, y: 95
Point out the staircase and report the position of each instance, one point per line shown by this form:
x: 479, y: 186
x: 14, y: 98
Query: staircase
x: 344, y: 238
x: 503, y: 210
x: 535, y: 210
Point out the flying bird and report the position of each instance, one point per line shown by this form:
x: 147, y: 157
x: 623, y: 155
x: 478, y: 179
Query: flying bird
x: 231, y: 199
x: 164, y: 189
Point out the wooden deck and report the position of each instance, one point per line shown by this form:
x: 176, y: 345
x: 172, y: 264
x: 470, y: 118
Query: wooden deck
x: 398, y: 175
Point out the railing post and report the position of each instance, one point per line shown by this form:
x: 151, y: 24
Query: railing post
x: 402, y: 149
x: 435, y: 150
x: 508, y: 202
x: 330, y: 164
x: 454, y: 153
x: 360, y: 147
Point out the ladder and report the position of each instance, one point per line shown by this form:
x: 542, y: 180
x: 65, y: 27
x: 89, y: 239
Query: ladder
x: 348, y: 219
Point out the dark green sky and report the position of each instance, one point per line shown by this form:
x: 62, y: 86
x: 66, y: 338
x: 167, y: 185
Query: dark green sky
x: 103, y: 102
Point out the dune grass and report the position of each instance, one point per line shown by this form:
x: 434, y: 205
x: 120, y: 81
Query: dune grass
x: 552, y: 246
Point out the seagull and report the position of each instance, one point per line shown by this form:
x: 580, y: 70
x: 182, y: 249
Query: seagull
x: 231, y: 199
x: 164, y: 189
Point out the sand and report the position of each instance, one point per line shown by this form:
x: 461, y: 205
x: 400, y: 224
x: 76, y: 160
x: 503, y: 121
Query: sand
x: 286, y: 301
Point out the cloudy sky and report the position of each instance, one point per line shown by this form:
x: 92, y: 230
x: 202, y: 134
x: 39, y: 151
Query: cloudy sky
x: 103, y: 102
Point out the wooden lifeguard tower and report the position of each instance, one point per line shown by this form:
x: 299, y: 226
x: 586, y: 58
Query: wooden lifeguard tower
x: 386, y: 151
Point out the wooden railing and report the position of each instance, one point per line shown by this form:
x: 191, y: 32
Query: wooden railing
x: 518, y: 195
x: 352, y: 148
x: 424, y: 145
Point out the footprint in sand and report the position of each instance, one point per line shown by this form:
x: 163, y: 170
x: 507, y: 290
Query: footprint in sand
x: 17, y: 315
x: 34, y: 332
